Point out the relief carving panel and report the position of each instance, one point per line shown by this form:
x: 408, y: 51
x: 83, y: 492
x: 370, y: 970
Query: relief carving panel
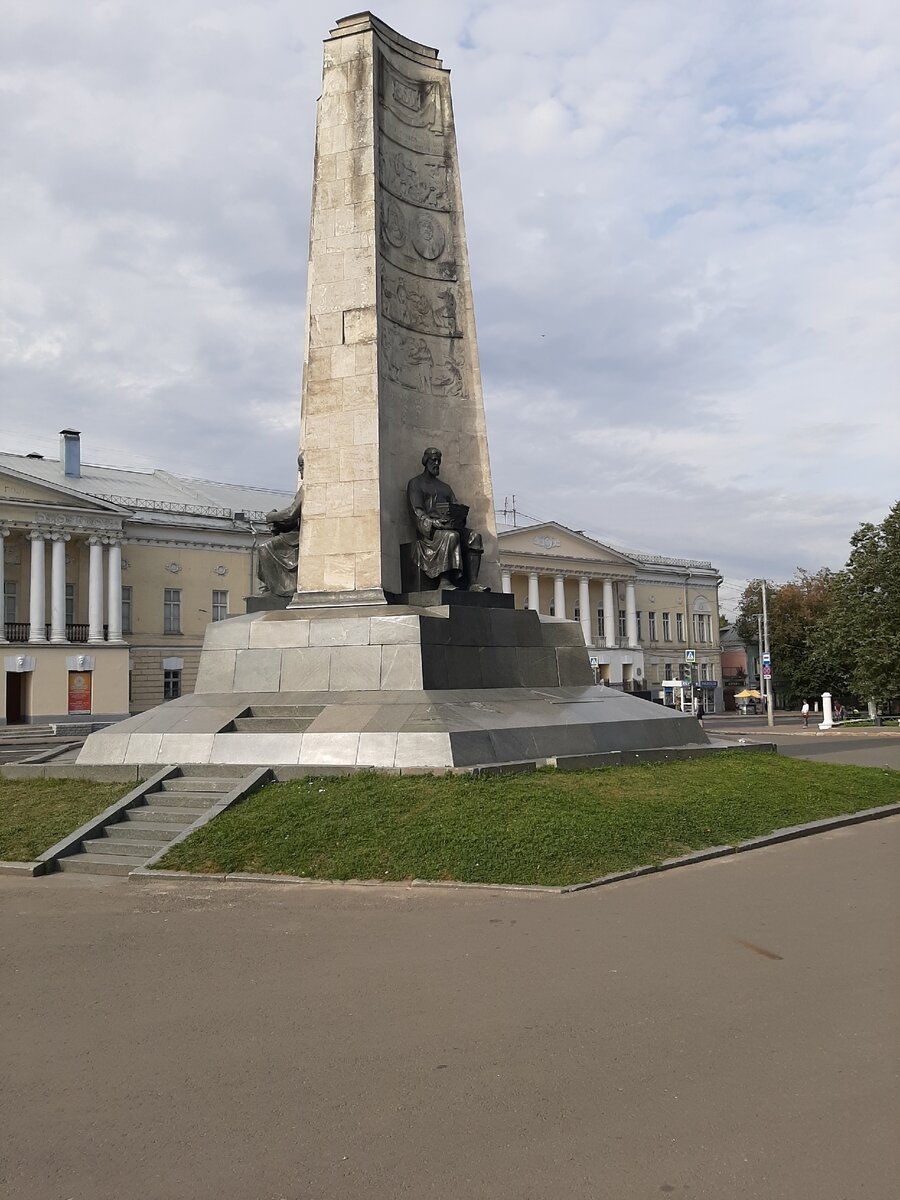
x: 413, y: 111
x: 420, y: 179
x: 416, y: 240
x: 430, y: 365
x: 423, y: 305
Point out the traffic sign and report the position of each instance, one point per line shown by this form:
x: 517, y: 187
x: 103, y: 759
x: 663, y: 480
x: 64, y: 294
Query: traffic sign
x: 690, y: 656
x: 767, y: 660
x: 767, y: 672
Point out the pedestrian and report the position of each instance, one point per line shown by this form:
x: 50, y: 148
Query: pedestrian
x: 838, y: 714
x: 804, y: 713
x: 700, y: 711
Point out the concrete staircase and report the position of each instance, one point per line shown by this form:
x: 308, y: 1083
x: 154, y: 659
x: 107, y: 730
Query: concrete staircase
x: 18, y: 742
x: 140, y: 832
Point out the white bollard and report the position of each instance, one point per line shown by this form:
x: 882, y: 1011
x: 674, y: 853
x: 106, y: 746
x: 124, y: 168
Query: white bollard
x: 826, y: 711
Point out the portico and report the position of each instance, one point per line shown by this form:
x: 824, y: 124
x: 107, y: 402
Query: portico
x: 61, y: 582
x: 51, y: 558
x: 638, y: 612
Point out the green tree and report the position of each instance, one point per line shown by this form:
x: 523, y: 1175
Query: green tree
x: 862, y: 631
x: 796, y: 611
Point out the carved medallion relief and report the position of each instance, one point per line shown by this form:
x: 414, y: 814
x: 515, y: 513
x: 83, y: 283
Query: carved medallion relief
x: 416, y: 240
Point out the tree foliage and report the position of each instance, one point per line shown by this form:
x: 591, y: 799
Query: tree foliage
x: 863, y: 627
x: 836, y: 631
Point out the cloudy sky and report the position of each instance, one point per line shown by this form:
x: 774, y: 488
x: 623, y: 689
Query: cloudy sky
x: 684, y: 232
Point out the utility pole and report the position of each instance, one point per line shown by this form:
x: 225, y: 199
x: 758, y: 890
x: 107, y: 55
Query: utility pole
x: 770, y: 714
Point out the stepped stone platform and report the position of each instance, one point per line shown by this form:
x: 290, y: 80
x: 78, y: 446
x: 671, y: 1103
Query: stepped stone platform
x: 465, y: 683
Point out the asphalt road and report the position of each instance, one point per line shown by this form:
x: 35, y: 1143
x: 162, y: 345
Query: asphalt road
x: 863, y: 747
x: 725, y: 1030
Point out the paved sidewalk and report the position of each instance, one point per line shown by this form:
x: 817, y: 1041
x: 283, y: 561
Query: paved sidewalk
x: 725, y: 1031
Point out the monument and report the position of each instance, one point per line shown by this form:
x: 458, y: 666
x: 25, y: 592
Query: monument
x: 397, y: 648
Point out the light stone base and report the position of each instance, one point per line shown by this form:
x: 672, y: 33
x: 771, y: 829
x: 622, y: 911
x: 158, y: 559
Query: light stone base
x: 392, y: 688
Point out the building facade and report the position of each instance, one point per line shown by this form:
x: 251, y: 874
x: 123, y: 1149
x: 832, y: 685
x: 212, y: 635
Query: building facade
x: 109, y: 578
x: 641, y: 614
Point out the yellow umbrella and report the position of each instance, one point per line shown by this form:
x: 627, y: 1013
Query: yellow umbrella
x: 747, y: 694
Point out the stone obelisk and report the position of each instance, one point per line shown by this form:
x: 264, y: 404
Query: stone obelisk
x: 391, y: 362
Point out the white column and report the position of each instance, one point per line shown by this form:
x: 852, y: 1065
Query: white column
x: 37, y: 613
x: 506, y: 581
x: 559, y: 595
x: 584, y: 609
x: 95, y: 591
x: 827, y: 722
x: 58, y: 588
x: 114, y: 584
x: 630, y: 614
x: 534, y: 595
x: 3, y: 533
x: 609, y: 615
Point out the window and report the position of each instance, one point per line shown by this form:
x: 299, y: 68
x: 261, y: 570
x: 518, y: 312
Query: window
x: 172, y: 610
x: 219, y: 606
x: 667, y: 628
x: 703, y: 628
x: 577, y: 613
x: 126, y: 608
x: 703, y: 671
x: 9, y: 600
x: 679, y: 627
x: 668, y: 674
x: 601, y: 631
x: 171, y: 680
x: 70, y: 603
x: 638, y: 615
x: 623, y: 627
x: 651, y: 620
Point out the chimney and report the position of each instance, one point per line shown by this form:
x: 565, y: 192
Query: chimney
x: 70, y: 452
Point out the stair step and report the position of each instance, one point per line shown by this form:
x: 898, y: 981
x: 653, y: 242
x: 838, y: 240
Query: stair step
x: 174, y: 818
x: 303, y: 712
x: 204, y: 783
x: 141, y: 831
x: 101, y: 864
x: 124, y: 847
x: 270, y: 724
x: 198, y: 800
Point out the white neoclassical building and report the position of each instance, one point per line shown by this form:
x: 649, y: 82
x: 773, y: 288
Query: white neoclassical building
x: 640, y: 613
x: 109, y: 578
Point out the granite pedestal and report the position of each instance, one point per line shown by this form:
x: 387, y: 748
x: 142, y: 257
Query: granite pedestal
x: 465, y: 683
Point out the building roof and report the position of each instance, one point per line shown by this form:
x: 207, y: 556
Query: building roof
x: 637, y: 556
x: 151, y: 492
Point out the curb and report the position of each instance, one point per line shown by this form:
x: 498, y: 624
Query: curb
x: 22, y: 868
x: 788, y: 834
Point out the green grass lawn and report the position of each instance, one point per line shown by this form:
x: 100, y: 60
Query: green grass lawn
x: 550, y: 827
x: 36, y: 813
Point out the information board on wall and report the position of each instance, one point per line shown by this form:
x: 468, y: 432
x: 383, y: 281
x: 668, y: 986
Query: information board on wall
x: 79, y: 691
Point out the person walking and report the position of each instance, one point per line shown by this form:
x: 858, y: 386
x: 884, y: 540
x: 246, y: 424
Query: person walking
x: 700, y: 713
x: 804, y: 713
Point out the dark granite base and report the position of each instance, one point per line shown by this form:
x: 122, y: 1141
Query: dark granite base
x: 454, y: 596
x: 266, y: 603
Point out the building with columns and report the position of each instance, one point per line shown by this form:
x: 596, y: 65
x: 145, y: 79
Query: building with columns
x: 109, y: 578
x: 639, y: 612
